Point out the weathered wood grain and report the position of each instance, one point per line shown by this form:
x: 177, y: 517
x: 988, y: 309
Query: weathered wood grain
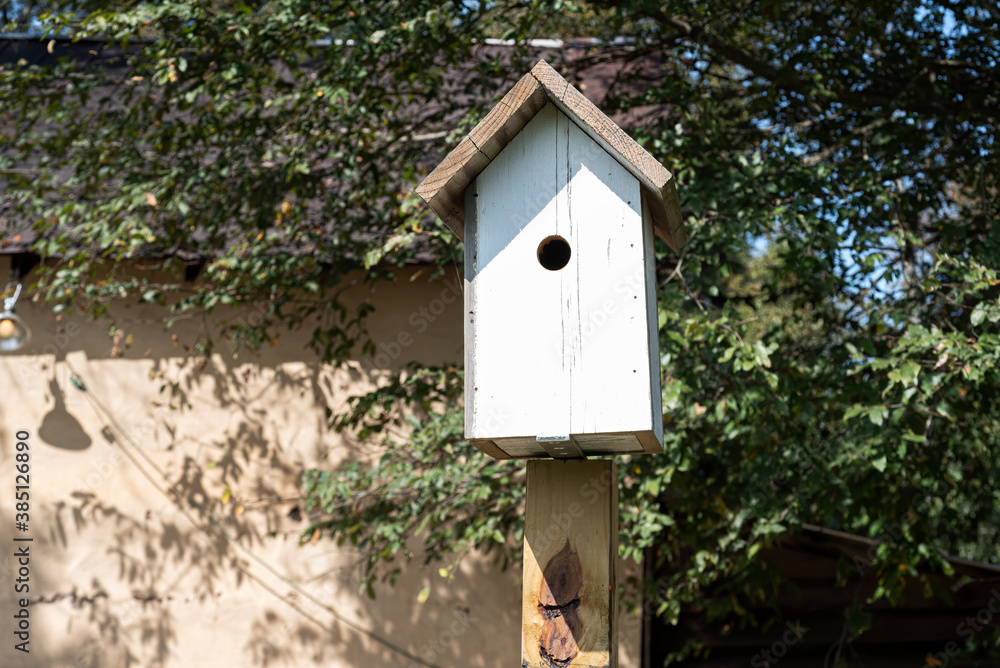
x: 511, y: 114
x: 569, y: 599
x: 656, y: 179
x: 562, y: 578
x: 444, y: 187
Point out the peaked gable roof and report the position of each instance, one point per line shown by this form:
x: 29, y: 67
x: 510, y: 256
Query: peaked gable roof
x: 444, y: 188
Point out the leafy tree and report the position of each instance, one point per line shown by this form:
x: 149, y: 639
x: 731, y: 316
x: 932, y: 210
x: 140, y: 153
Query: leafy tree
x: 829, y: 334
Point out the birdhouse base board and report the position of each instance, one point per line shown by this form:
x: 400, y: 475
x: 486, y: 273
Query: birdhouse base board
x: 592, y: 445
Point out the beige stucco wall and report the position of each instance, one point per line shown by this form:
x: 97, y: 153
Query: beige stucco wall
x: 123, y: 573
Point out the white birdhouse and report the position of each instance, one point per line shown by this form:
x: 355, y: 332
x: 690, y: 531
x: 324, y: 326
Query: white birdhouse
x: 558, y: 208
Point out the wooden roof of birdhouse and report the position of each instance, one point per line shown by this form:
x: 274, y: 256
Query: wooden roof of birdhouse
x: 444, y: 188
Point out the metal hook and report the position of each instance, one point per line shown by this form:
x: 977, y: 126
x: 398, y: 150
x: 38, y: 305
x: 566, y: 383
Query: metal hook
x: 8, y: 302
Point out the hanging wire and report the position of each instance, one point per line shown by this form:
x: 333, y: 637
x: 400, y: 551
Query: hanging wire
x: 169, y: 489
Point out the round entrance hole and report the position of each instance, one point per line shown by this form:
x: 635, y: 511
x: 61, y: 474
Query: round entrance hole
x: 553, y: 253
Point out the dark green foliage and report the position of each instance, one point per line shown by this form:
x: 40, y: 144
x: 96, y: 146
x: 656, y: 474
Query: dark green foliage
x: 829, y: 334
x: 433, y: 486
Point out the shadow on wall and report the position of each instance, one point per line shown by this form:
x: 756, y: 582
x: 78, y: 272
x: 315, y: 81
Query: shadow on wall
x: 59, y: 428
x: 251, y: 622
x: 136, y: 582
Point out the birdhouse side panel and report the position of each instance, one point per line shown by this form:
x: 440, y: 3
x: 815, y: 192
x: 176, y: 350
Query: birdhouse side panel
x: 653, y: 329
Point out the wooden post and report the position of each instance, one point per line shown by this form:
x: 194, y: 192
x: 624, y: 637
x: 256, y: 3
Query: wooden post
x: 569, y: 596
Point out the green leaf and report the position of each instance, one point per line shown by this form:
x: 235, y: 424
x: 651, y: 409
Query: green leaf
x: 978, y: 314
x: 909, y: 372
x: 877, y: 415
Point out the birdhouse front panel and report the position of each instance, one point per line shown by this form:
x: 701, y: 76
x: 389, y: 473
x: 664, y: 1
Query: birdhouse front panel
x: 562, y: 357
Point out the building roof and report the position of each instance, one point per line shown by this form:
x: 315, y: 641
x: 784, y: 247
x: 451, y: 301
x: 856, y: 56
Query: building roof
x: 815, y: 579
x: 444, y: 188
x: 602, y: 79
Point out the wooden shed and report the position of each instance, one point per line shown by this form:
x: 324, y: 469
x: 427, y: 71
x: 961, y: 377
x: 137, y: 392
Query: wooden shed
x: 813, y: 579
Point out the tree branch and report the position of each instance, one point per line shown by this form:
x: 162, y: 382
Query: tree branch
x: 791, y: 81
